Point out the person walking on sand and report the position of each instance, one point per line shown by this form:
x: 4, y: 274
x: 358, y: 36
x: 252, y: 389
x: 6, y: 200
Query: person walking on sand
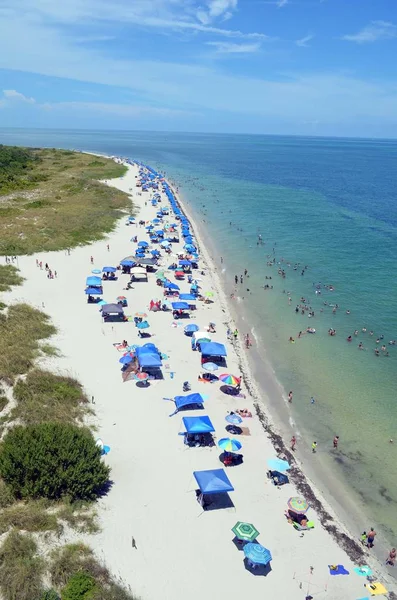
x: 335, y: 442
x: 92, y: 260
x: 108, y: 247
x: 314, y: 447
x: 293, y: 443
x: 290, y: 396
x: 391, y: 559
x: 371, y: 538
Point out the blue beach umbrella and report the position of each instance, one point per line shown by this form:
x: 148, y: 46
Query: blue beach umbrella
x: 191, y: 328
x: 92, y: 291
x: 125, y: 360
x: 210, y: 366
x: 257, y: 554
x: 109, y: 269
x: 102, y: 302
x: 143, y: 325
x: 230, y: 445
x: 277, y: 464
x: 170, y: 285
x: 96, y: 271
x: 234, y: 419
x: 143, y: 244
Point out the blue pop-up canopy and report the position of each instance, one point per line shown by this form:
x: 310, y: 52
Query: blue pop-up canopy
x: 180, y: 306
x: 109, y: 269
x: 93, y: 281
x: 213, y: 482
x: 171, y: 286
x: 147, y: 357
x: 127, y: 263
x: 181, y: 401
x: 94, y: 291
x: 213, y: 349
x: 198, y: 424
x: 185, y: 263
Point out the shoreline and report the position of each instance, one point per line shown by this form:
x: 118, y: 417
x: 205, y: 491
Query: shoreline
x: 92, y: 380
x: 280, y: 423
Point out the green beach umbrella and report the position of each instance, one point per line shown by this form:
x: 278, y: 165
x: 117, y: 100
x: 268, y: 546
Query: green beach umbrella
x: 245, y: 531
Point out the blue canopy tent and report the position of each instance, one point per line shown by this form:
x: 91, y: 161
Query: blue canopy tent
x: 198, y: 425
x: 214, y: 481
x: 180, y: 306
x: 189, y: 400
x: 93, y: 281
x: 169, y: 285
x: 147, y: 358
x: 185, y: 263
x: 109, y: 269
x: 127, y: 263
x: 94, y: 291
x: 213, y: 349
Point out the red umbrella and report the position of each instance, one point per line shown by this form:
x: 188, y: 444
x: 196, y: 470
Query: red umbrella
x: 179, y: 274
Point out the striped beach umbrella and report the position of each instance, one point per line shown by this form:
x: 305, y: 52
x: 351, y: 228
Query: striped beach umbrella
x: 230, y: 445
x: 229, y: 379
x: 298, y: 505
x: 257, y: 554
x: 245, y: 531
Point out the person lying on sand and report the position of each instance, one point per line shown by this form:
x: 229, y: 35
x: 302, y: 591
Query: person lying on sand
x: 244, y: 412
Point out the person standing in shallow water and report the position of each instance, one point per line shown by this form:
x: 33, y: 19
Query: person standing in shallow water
x: 290, y: 396
x: 293, y: 443
x: 336, y: 441
x: 314, y: 447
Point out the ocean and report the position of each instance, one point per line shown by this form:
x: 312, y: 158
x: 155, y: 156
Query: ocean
x: 313, y: 219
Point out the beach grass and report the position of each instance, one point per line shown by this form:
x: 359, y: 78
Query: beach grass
x: 31, y: 516
x: 77, y: 558
x: 21, y: 330
x: 43, y: 397
x: 21, y: 569
x: 54, y: 201
x: 9, y: 276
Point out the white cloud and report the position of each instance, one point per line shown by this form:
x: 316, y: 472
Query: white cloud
x: 303, y: 42
x: 376, y: 30
x: 231, y: 48
x: 281, y: 3
x: 14, y: 95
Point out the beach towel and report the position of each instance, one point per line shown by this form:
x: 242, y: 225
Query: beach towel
x: 337, y: 570
x: 363, y: 571
x: 376, y: 589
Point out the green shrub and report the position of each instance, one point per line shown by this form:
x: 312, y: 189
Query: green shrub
x: 3, y: 402
x: 49, y: 595
x: 21, y: 569
x: 9, y: 276
x: 81, y: 586
x: 52, y: 460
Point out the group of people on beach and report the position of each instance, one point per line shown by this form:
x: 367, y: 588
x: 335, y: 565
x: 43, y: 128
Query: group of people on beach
x: 50, y: 273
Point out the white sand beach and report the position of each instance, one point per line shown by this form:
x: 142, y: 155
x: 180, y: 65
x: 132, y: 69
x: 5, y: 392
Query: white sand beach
x: 181, y: 550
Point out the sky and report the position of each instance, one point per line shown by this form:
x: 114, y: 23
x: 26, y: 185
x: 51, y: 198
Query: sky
x: 300, y: 67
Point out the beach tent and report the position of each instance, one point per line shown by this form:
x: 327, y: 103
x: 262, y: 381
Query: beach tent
x: 147, y: 261
x: 187, y: 297
x: 198, y: 425
x: 148, y: 356
x: 214, y: 481
x: 112, y: 309
x: 213, y: 349
x: 94, y: 291
x: 109, y: 269
x: 180, y: 306
x: 200, y: 337
x: 127, y: 263
x: 169, y: 285
x: 138, y: 273
x: 190, y: 399
x: 93, y: 281
x: 185, y: 263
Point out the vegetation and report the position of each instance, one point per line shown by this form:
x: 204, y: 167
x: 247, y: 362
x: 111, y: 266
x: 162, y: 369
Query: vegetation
x: 52, y: 460
x: 9, y: 276
x: 78, y: 558
x: 43, y: 397
x: 49, y: 594
x: 81, y: 586
x: 29, y: 516
x: 21, y: 329
x: 52, y: 199
x: 21, y: 569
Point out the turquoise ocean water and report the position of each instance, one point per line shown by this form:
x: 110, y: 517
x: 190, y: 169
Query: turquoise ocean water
x: 330, y: 205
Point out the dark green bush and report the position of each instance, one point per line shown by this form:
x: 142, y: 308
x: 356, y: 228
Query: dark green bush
x: 52, y: 460
x: 80, y: 586
x: 49, y: 595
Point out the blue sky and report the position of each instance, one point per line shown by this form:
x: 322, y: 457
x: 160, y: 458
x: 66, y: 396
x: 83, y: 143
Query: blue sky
x: 309, y: 67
